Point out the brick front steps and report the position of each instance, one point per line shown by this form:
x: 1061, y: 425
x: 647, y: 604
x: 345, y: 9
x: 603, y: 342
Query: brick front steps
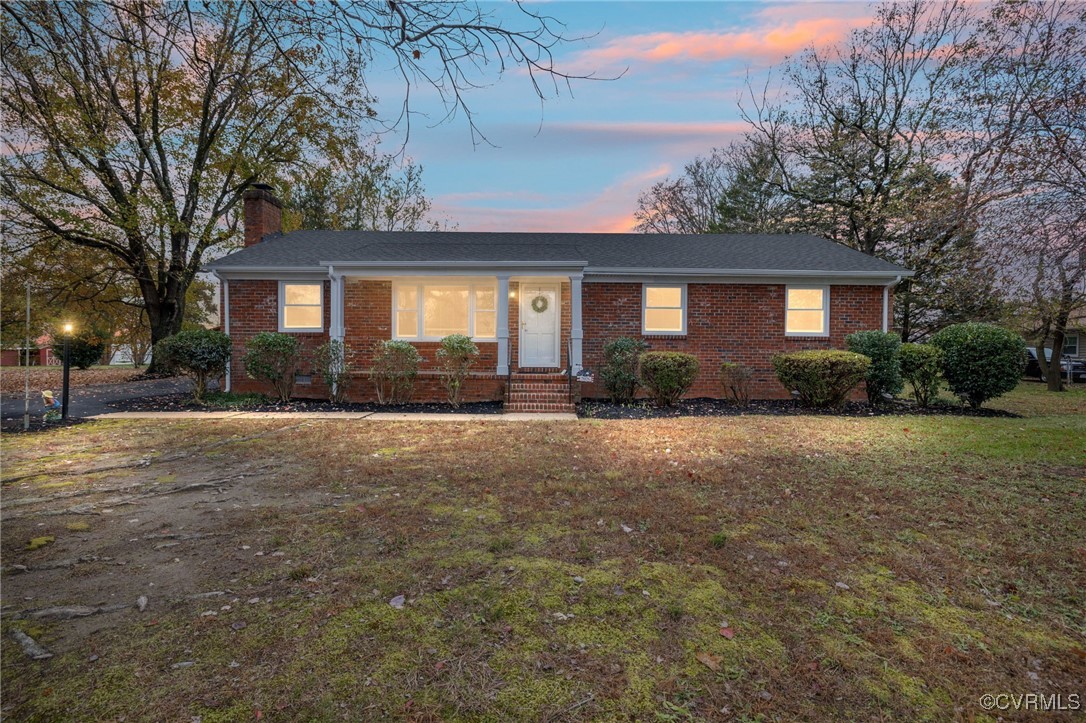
x: 538, y: 393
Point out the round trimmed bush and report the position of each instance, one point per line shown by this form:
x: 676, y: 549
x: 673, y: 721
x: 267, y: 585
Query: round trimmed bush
x: 619, y: 369
x: 980, y: 361
x: 272, y: 357
x: 922, y: 368
x: 668, y: 374
x: 821, y: 378
x: 883, y: 348
x: 200, y: 354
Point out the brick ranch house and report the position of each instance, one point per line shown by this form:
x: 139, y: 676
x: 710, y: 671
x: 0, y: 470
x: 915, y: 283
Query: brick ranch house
x: 541, y: 306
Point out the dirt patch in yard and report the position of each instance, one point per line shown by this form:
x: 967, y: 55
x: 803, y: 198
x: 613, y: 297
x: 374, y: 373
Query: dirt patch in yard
x: 766, y: 568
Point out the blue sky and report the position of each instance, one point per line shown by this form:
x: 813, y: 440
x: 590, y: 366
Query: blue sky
x: 578, y: 162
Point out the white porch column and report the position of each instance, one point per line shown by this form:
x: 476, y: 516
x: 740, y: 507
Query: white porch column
x: 503, y: 324
x: 576, y: 332
x: 335, y: 325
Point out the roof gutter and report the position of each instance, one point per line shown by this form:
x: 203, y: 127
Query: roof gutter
x: 623, y: 271
x: 445, y: 264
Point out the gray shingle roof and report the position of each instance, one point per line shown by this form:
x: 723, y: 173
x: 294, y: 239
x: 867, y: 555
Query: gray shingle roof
x: 596, y: 251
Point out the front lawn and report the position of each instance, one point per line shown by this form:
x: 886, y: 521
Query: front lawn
x: 759, y: 568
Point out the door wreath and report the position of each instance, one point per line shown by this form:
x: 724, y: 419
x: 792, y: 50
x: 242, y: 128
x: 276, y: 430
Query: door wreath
x: 540, y: 304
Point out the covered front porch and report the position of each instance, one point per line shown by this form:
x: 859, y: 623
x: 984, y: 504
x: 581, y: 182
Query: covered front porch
x: 524, y: 320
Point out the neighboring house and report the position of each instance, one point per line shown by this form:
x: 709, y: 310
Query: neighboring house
x: 542, y: 305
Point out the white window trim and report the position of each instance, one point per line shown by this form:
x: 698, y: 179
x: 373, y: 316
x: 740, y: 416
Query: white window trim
x: 1078, y: 341
x: 283, y: 303
x: 437, y: 281
x: 644, y: 308
x: 825, y: 311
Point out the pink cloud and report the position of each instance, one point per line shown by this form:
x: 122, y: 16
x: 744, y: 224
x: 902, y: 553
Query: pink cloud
x: 779, y: 31
x: 654, y: 129
x: 609, y: 211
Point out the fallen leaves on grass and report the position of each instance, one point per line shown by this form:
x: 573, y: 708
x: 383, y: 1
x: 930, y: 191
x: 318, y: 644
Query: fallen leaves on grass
x: 710, y: 661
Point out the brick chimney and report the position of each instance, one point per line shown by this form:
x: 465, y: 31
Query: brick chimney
x: 263, y: 213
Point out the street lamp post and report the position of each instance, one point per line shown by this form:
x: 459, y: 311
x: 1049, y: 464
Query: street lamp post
x: 67, y: 370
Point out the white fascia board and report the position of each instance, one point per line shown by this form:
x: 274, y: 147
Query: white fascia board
x: 456, y: 268
x: 307, y: 273
x: 791, y: 273
x: 724, y: 276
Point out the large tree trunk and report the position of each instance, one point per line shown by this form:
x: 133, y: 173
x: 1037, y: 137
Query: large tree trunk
x: 1059, y: 331
x: 165, y: 315
x: 903, y: 309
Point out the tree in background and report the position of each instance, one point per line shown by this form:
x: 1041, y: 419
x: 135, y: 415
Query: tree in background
x: 687, y: 204
x: 866, y: 141
x: 369, y: 192
x: 1033, y: 56
x: 134, y: 128
x: 907, y: 141
x: 82, y: 285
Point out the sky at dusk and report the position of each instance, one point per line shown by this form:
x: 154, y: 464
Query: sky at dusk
x: 578, y: 162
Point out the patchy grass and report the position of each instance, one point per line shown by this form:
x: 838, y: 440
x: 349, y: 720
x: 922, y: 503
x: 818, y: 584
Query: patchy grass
x: 891, y: 568
x: 233, y: 400
x: 36, y: 543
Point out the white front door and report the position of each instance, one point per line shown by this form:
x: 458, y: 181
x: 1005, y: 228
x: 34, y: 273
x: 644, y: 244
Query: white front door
x: 539, y: 325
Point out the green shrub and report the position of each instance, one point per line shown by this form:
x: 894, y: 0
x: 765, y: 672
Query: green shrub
x: 822, y: 378
x: 980, y: 361
x: 456, y: 355
x: 922, y: 368
x: 334, y: 363
x: 85, y: 347
x: 200, y: 354
x: 883, y: 348
x: 735, y: 379
x: 619, y: 369
x: 273, y: 357
x: 395, y: 366
x: 668, y: 374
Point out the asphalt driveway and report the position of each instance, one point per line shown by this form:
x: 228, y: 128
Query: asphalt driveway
x: 91, y: 400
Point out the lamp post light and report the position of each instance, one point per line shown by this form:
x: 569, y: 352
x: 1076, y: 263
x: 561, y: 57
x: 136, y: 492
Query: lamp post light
x: 67, y: 370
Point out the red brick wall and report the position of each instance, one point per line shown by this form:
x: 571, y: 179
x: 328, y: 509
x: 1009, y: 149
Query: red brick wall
x: 738, y: 322
x: 368, y: 318
x: 254, y: 307
x: 741, y: 323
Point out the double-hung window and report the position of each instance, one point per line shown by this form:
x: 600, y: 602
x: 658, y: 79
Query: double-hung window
x: 1070, y: 345
x: 301, y: 306
x: 807, y: 311
x: 430, y: 311
x: 663, y: 309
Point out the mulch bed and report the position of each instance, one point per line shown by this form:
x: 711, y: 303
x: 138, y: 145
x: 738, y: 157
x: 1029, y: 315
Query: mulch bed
x: 602, y: 409
x: 184, y: 403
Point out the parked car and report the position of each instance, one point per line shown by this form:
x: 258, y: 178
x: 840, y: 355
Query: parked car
x: 1033, y: 369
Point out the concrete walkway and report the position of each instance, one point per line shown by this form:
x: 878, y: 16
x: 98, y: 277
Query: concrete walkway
x: 369, y: 416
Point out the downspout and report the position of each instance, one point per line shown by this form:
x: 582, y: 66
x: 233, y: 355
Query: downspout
x: 886, y: 303
x: 225, y: 284
x: 335, y: 326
